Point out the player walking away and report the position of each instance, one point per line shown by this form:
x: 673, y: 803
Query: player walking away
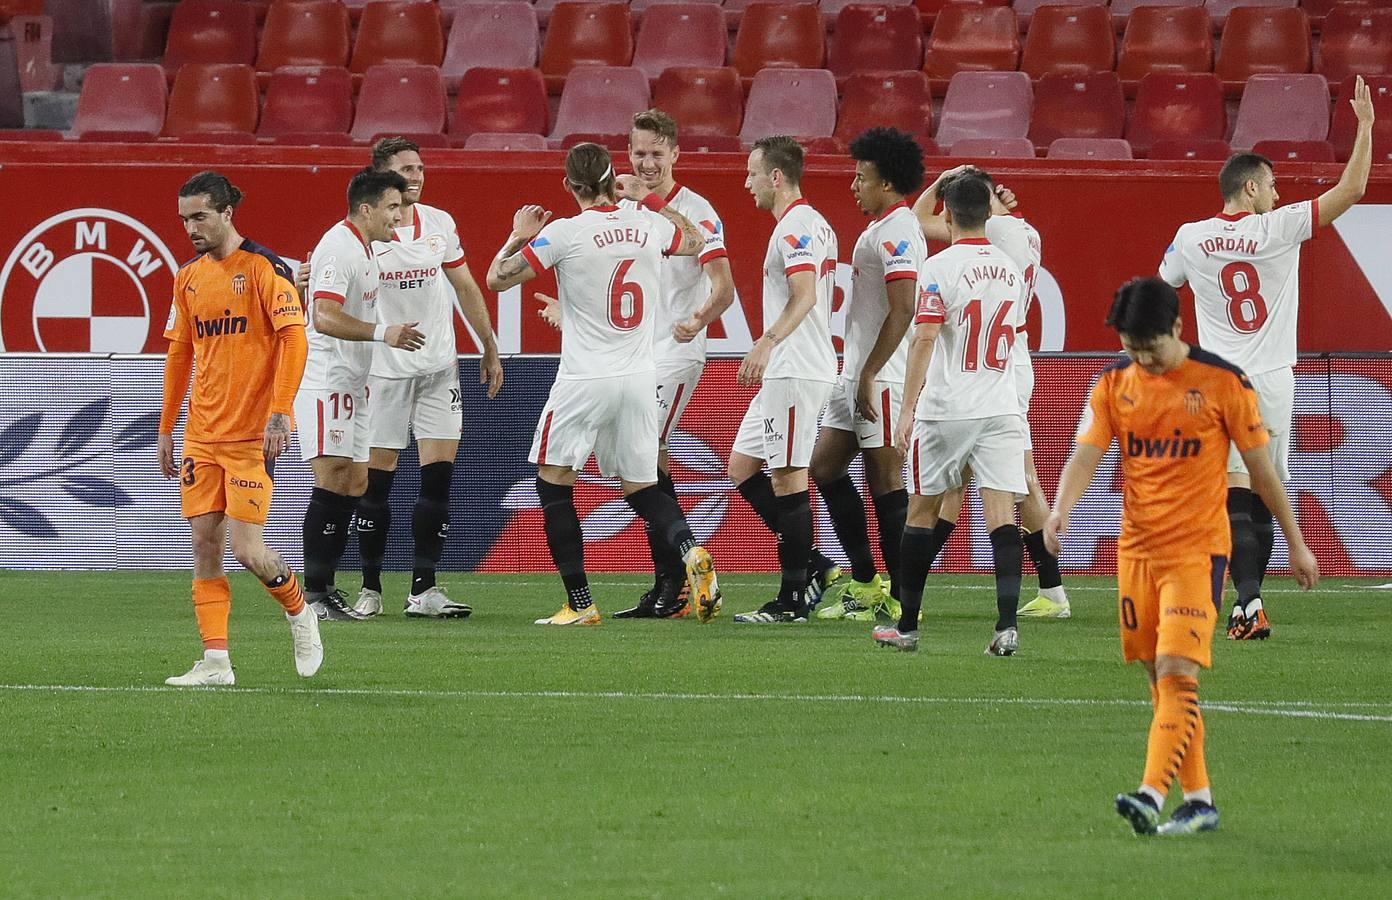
x: 1009, y: 232
x: 1173, y: 409
x: 235, y: 314
x: 1243, y: 266
x: 865, y: 401
x: 960, y: 408
x: 606, y: 261
x: 424, y: 276
x: 331, y: 409
x: 794, y: 364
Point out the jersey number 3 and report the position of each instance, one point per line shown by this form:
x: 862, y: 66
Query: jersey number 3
x: 625, y: 299
x: 1242, y: 289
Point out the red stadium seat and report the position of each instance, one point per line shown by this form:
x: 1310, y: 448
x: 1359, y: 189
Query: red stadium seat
x: 1085, y: 106
x: 686, y: 34
x: 735, y: 9
x: 639, y: 8
x: 314, y: 138
x: 494, y: 35
x: 122, y: 97
x: 1317, y: 10
x: 1122, y: 10
x: 34, y: 53
x: 875, y: 38
x: 401, y: 100
x: 1025, y: 9
x: 1262, y: 41
x: 712, y: 143
x: 219, y: 138
x: 1282, y: 108
x: 704, y: 102
x: 546, y: 8
x: 484, y: 140
x: 1089, y: 148
x: 304, y: 33
x: 307, y: 100
x: 1355, y: 40
x: 1218, y: 9
x: 1190, y: 149
x: 1344, y: 127
x: 600, y: 100
x: 831, y: 9
x: 585, y: 34
x: 1177, y: 107
x: 615, y: 143
x: 779, y: 35
x: 985, y: 105
x: 901, y: 100
x: 1069, y: 40
x: 799, y: 102
x: 210, y: 31
x: 214, y: 97
x: 1166, y: 39
x: 972, y: 39
x: 510, y: 101
x: 1295, y: 151
x: 398, y: 33
x: 993, y: 148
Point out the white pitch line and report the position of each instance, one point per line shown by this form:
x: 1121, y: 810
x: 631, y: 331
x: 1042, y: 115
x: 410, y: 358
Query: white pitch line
x: 738, y: 577
x: 1233, y: 707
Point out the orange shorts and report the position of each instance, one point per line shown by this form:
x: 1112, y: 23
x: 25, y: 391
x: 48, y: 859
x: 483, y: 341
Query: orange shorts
x: 1169, y: 607
x: 229, y: 477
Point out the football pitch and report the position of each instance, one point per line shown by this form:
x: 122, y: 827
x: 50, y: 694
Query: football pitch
x: 492, y: 757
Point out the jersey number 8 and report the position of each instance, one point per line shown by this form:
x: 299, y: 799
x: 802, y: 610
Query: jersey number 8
x: 1242, y: 290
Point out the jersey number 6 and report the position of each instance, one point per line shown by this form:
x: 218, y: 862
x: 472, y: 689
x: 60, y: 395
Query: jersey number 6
x: 625, y: 299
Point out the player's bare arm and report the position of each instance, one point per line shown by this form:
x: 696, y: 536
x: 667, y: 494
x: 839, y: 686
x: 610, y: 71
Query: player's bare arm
x: 470, y: 300
x: 1336, y: 201
x: 1077, y: 475
x: 802, y: 297
x: 902, y: 293
x: 722, y: 294
x: 933, y: 223
x: 178, y: 370
x: 925, y: 336
x: 509, y: 267
x: 330, y: 318
x: 1267, y: 485
x: 631, y: 187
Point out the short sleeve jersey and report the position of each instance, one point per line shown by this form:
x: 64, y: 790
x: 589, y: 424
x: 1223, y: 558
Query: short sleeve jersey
x: 1173, y: 431
x: 343, y: 270
x: 414, y: 288
x: 1244, y: 270
x: 607, y: 261
x: 802, y: 241
x: 230, y: 311
x: 977, y: 295
x: 1020, y: 241
x: 891, y: 248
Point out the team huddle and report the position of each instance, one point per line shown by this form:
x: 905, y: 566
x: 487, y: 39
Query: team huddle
x: 933, y: 390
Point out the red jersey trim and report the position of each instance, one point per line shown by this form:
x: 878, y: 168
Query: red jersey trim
x: 676, y: 189
x: 718, y: 253
x: 1314, y: 216
x: 929, y: 319
x: 899, y: 276
x: 457, y: 263
x: 328, y: 295
x: 675, y: 245
x: 366, y: 245
x: 608, y: 208
x: 792, y: 206
x: 530, y: 255
x: 885, y: 215
x: 972, y: 241
x: 800, y: 267
x: 1232, y: 217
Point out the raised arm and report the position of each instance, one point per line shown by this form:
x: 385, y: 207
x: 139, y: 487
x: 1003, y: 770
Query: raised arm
x: 1336, y: 201
x: 510, y: 268
x: 692, y: 242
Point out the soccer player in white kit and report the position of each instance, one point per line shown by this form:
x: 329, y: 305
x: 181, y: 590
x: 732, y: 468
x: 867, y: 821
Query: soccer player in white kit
x: 424, y: 274
x: 1019, y: 240
x: 865, y: 402
x: 607, y: 262
x: 331, y: 405
x: 1244, y: 268
x: 961, y: 408
x: 794, y: 364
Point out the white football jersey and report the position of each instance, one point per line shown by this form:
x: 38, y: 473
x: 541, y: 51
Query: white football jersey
x: 977, y: 294
x: 607, y: 261
x: 802, y: 241
x: 1244, y: 270
x: 415, y: 289
x: 1020, y: 241
x: 342, y: 269
x: 890, y: 248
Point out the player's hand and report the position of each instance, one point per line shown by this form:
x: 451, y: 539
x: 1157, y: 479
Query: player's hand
x: 1006, y: 197
x: 1304, y: 566
x: 865, y: 400
x: 166, y: 456
x: 302, y: 279
x: 491, y: 372
x: 550, y: 311
x: 528, y: 220
x: 1054, y: 526
x: 1362, y: 102
x: 631, y: 187
x: 751, y: 371
x: 276, y: 440
x: 903, y: 434
x: 687, y: 330
x: 405, y: 336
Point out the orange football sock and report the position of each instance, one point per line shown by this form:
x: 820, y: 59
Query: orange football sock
x: 212, y: 604
x: 288, y: 594
x: 1193, y: 771
x: 1171, y: 730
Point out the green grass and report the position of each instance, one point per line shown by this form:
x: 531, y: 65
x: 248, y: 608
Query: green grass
x: 490, y: 757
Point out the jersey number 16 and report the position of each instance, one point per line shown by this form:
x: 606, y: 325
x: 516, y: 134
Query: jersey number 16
x: 998, y: 340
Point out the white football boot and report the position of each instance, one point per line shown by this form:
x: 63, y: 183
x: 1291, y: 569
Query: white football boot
x: 436, y: 604
x: 369, y: 602
x: 205, y: 673
x: 309, y: 649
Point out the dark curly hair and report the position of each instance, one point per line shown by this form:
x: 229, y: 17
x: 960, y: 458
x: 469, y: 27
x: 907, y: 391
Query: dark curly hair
x: 896, y: 156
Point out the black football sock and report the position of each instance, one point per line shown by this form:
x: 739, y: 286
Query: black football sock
x: 374, y: 522
x: 660, y: 510
x: 666, y: 561
x: 565, y: 540
x: 757, y: 489
x: 916, y: 557
x: 941, y: 532
x: 1264, y: 528
x: 1246, y: 549
x: 794, y: 545
x: 320, y: 522
x: 890, y: 510
x: 848, y: 518
x: 1045, y: 563
x: 1007, y: 552
x: 430, y: 523
x: 344, y: 518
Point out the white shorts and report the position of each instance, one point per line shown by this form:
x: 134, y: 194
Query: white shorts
x: 613, y: 419
x: 1276, y: 400
x: 781, y: 424
x: 674, y: 390
x: 332, y: 423
x: 994, y: 447
x: 841, y: 412
x: 428, y: 406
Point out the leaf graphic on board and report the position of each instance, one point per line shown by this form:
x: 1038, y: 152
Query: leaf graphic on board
x: 95, y: 491
x: 522, y: 495
x: 695, y: 454
x: 139, y: 433
x: 17, y: 437
x: 606, y: 520
x: 25, y: 519
x: 705, y: 517
x: 82, y: 427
